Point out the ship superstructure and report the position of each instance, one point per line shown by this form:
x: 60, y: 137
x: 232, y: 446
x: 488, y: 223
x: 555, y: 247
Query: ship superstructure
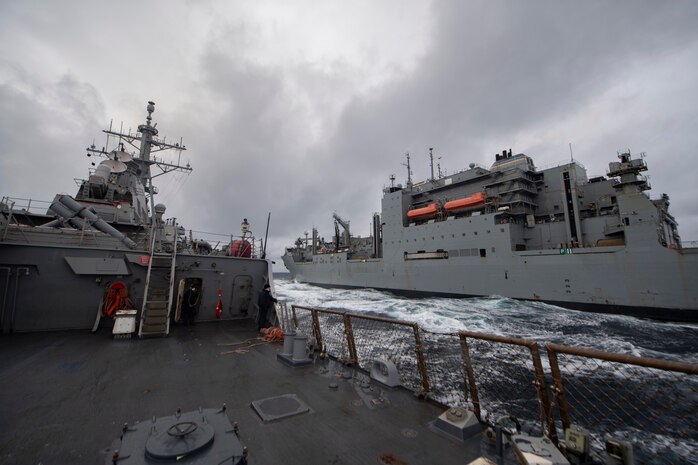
x: 554, y: 235
x: 112, y: 237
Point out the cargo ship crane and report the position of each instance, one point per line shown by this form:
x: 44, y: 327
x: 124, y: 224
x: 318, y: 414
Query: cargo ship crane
x: 345, y: 226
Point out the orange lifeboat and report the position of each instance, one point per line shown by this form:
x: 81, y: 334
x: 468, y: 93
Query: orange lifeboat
x: 429, y: 211
x: 466, y: 202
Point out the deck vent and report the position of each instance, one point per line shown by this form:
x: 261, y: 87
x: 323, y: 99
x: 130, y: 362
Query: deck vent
x: 279, y: 407
x: 532, y: 450
x: 458, y: 423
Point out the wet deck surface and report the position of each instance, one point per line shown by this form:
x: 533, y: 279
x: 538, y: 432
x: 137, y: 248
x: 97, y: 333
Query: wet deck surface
x: 65, y: 396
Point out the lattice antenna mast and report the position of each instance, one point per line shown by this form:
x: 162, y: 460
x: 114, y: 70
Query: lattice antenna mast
x: 409, y: 170
x: 147, y: 144
x: 431, y: 163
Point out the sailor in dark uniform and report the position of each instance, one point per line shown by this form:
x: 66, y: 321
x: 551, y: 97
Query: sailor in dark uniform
x: 264, y: 301
x: 190, y: 304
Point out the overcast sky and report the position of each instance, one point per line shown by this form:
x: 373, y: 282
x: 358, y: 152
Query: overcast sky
x: 305, y: 108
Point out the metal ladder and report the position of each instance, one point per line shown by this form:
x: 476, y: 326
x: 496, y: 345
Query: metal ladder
x: 159, y: 284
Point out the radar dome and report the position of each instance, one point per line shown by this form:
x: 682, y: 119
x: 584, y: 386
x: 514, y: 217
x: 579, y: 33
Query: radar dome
x: 114, y: 165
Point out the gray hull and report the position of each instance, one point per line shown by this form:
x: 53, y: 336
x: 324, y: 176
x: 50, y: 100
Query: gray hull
x: 610, y: 281
x: 554, y: 236
x: 53, y: 288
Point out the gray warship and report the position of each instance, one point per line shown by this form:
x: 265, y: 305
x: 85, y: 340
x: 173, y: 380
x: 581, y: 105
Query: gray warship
x: 342, y: 388
x: 554, y: 235
x: 65, y: 263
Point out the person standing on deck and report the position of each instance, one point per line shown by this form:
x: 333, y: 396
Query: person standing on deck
x: 264, y: 301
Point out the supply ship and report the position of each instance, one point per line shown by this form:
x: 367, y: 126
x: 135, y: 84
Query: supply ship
x: 64, y: 264
x: 343, y: 388
x: 554, y: 235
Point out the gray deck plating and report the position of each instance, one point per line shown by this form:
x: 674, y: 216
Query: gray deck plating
x: 66, y: 396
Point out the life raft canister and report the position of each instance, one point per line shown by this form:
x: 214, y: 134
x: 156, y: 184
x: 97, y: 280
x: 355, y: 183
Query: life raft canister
x: 240, y: 248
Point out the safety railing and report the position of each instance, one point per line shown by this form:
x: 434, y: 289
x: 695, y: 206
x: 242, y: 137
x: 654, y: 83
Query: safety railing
x: 649, y: 403
x: 507, y: 374
x: 214, y: 243
x: 26, y: 205
x: 359, y: 340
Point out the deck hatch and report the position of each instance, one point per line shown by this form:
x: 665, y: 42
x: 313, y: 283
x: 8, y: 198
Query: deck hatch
x: 279, y: 407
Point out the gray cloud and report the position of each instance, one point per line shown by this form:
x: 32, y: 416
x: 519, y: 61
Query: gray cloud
x: 44, y: 127
x: 496, y: 72
x: 273, y: 128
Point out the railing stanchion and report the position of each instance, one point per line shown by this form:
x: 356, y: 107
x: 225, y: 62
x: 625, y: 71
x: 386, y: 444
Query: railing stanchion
x: 316, y: 328
x: 421, y: 363
x: 470, y: 376
x: 351, y: 344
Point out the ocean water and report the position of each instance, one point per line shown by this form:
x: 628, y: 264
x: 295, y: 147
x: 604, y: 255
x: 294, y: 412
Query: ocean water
x: 653, y: 443
x: 508, y: 317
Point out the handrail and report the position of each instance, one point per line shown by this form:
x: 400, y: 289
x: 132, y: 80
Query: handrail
x: 500, y: 375
x: 172, y: 281
x: 7, y: 201
x: 147, y: 284
x: 659, y: 364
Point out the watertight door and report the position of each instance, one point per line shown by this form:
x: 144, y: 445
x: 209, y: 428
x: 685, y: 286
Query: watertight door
x: 184, y: 284
x: 180, y: 296
x: 241, y: 296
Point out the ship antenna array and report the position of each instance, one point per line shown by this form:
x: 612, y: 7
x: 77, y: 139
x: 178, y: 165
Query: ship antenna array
x: 392, y: 180
x: 409, y: 169
x: 105, y: 149
x: 153, y: 145
x: 431, y: 163
x: 106, y: 143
